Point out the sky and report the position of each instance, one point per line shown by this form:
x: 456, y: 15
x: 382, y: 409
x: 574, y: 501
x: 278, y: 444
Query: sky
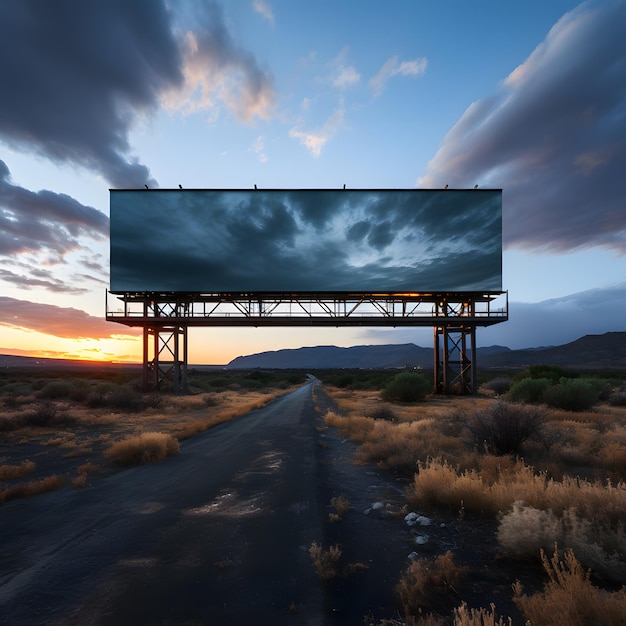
x: 528, y: 97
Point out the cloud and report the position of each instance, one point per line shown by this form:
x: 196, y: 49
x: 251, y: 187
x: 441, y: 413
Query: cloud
x: 553, y: 136
x: 561, y: 320
x: 259, y: 148
x: 394, y: 67
x: 44, y: 221
x: 315, y: 140
x: 217, y: 70
x: 346, y: 76
x: 531, y: 325
x: 75, y: 74
x: 58, y: 321
x: 264, y: 10
x: 40, y: 278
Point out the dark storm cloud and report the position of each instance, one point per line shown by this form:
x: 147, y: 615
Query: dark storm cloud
x: 266, y: 241
x: 44, y: 221
x: 54, y: 320
x: 553, y: 137
x: 73, y: 74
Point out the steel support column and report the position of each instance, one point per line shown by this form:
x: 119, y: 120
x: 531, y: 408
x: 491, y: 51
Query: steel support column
x: 166, y: 363
x: 455, y: 360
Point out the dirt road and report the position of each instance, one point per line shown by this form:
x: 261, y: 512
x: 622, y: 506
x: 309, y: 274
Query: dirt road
x: 216, y: 535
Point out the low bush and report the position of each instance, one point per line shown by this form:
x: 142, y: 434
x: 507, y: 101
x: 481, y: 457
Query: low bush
x: 407, y: 387
x: 525, y: 530
x: 42, y: 414
x: 551, y: 372
x: 529, y: 390
x: 33, y: 488
x: 617, y: 399
x: 325, y: 561
x: 569, y: 598
x: 504, y: 427
x: 430, y: 585
x: 578, y: 394
x: 123, y: 399
x: 384, y: 413
x: 341, y: 505
x: 499, y: 385
x: 10, y: 472
x: 141, y: 449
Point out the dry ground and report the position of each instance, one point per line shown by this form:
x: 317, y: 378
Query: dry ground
x: 425, y: 447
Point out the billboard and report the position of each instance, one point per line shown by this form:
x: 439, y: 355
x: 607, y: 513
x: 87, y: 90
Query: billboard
x: 306, y: 240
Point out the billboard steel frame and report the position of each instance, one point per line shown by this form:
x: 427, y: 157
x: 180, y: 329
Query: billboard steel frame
x: 166, y: 318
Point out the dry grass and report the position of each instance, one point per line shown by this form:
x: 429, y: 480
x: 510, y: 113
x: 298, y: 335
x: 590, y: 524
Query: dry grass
x: 478, y: 617
x: 569, y: 598
x: 325, y: 561
x: 141, y: 449
x: 428, y: 586
x: 10, y: 472
x: 571, y: 487
x: 33, y: 488
x: 88, y: 430
x: 342, y: 506
x: 396, y: 445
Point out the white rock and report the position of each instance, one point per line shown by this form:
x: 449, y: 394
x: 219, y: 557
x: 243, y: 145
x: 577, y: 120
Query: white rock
x: 410, y: 517
x: 377, y: 505
x: 420, y: 540
x: 367, y: 511
x: 442, y: 525
x: 414, y: 555
x: 422, y: 520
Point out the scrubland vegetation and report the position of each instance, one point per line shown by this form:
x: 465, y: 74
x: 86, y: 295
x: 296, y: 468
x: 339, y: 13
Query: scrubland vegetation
x: 543, y: 453
x: 90, y: 421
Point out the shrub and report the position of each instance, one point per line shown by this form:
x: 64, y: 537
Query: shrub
x: 569, y: 598
x: 325, y: 561
x: 384, y: 413
x: 123, y: 399
x: 504, y: 427
x: 617, y: 399
x: 342, y: 506
x: 407, y: 387
x: 499, y: 385
x: 33, y: 488
x: 551, y: 372
x: 9, y: 472
x: 141, y: 449
x: 429, y: 585
x: 525, y: 530
x: 529, y: 390
x: 574, y: 395
x: 42, y: 414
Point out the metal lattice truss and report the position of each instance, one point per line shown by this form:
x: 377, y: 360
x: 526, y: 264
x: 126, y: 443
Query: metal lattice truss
x: 165, y: 318
x: 139, y: 309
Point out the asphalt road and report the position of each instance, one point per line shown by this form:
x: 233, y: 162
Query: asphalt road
x: 216, y: 535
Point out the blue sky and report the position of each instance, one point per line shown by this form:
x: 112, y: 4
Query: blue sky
x: 527, y: 97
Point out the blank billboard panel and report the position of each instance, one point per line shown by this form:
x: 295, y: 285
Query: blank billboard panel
x: 306, y: 241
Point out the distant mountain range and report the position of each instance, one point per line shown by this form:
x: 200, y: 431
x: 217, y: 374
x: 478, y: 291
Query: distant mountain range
x: 591, y: 351
x: 606, y: 351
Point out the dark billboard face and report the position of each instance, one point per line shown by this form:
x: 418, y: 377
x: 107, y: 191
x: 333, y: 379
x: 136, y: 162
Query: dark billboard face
x: 307, y: 241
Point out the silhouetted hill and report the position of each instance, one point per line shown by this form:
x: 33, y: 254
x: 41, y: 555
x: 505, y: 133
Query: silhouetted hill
x: 591, y: 351
x: 329, y: 357
x: 10, y: 361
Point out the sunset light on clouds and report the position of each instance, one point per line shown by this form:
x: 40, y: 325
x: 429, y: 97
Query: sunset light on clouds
x: 525, y: 97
